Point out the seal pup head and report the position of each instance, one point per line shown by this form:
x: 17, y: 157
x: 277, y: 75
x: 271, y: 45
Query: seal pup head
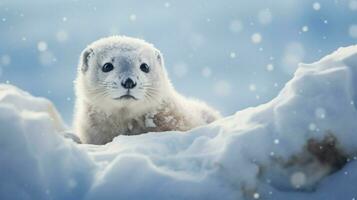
x: 123, y: 72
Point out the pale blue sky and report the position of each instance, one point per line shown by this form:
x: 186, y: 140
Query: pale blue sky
x: 232, y: 54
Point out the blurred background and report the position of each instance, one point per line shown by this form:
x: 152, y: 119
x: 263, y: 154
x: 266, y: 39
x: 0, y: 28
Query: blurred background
x: 233, y: 54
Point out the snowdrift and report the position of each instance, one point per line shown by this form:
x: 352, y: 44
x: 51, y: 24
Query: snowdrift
x: 300, y: 145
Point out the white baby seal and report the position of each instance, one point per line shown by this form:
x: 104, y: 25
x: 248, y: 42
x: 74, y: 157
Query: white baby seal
x: 122, y: 88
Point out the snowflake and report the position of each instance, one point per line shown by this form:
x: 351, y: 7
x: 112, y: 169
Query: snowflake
x: 42, y: 46
x: 270, y: 67
x: 352, y: 31
x: 256, y: 195
x: 265, y: 17
x: 305, y: 28
x: 206, y: 72
x: 232, y: 55
x: 316, y: 6
x: 252, y: 87
x: 236, y: 26
x: 222, y: 88
x: 298, y: 179
x: 256, y: 38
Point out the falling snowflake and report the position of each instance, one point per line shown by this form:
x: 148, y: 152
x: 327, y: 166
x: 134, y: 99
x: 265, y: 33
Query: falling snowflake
x: 353, y: 5
x: 46, y: 58
x: 206, y: 72
x: 236, y: 26
x: 232, y: 55
x: 42, y: 46
x: 312, y: 127
x: 5, y: 60
x: 256, y: 38
x: 352, y: 30
x: 265, y: 17
x: 196, y: 40
x: 61, y: 36
x: 222, y: 88
x: 320, y: 113
x: 305, y: 28
x: 132, y: 17
x: 72, y: 183
x: 293, y: 55
x: 316, y: 6
x: 298, y: 179
x: 180, y: 69
x: 270, y: 67
x: 252, y: 87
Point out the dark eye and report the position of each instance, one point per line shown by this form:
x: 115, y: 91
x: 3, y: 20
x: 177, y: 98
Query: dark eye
x: 145, y: 68
x: 107, y: 67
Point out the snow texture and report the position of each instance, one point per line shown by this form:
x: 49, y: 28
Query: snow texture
x: 300, y: 145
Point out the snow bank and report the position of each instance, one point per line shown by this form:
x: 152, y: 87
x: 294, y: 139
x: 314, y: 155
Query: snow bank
x: 300, y: 145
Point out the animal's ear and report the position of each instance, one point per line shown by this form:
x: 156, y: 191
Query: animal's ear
x: 159, y: 57
x: 85, y: 56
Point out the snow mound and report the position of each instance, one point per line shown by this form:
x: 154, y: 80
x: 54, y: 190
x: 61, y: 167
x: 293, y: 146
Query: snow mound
x: 300, y: 145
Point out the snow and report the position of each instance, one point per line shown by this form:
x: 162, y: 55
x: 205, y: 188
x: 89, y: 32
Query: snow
x: 202, y: 39
x: 5, y: 59
x: 353, y: 5
x: 256, y: 38
x: 132, y: 17
x: 316, y: 6
x: 180, y: 69
x: 222, y: 88
x: 236, y: 26
x: 46, y: 58
x: 270, y: 67
x: 62, y: 36
x: 42, y: 46
x: 305, y: 28
x: 352, y: 31
x: 265, y: 16
x: 263, y: 152
x: 294, y: 54
x: 206, y: 72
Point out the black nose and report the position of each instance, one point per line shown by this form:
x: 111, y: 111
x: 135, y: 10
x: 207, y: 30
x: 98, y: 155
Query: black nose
x: 128, y: 83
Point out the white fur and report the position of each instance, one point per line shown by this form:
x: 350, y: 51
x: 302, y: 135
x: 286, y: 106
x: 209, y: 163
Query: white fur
x: 100, y: 115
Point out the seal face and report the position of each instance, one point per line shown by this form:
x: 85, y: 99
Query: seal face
x: 122, y: 88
